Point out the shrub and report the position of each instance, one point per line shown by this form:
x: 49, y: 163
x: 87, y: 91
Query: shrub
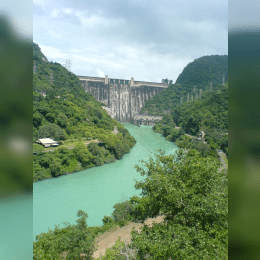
x: 52, y: 131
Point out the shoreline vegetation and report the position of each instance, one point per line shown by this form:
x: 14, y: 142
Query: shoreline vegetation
x: 188, y: 189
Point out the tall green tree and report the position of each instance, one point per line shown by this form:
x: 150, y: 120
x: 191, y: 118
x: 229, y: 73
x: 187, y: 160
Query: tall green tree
x: 72, y: 242
x: 191, y: 194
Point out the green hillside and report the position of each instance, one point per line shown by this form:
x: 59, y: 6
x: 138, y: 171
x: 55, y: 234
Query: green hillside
x: 63, y: 111
x: 210, y: 115
x: 205, y: 69
x: 196, y: 76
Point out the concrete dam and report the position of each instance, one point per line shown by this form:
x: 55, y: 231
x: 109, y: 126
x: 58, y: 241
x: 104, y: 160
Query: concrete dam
x: 123, y: 98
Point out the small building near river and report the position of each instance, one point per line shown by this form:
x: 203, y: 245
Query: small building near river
x: 47, y: 142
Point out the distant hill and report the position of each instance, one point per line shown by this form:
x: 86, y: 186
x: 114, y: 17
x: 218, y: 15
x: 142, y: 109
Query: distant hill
x: 196, y: 76
x: 204, y: 70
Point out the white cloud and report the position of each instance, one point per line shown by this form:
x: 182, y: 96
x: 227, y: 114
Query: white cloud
x: 100, y: 73
x: 39, y: 2
x: 52, y: 52
x: 126, y: 39
x: 67, y: 11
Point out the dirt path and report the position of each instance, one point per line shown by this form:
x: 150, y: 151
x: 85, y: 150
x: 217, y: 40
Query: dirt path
x: 109, y: 238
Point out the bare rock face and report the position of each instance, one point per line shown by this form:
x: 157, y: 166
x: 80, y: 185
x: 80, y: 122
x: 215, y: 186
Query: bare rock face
x: 123, y: 98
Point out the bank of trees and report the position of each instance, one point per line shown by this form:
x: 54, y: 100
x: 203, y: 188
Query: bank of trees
x: 63, y: 160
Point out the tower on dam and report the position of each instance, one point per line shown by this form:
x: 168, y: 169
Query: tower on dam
x: 123, y: 98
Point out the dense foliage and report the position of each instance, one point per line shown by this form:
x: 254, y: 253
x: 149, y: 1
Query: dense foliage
x: 69, y: 242
x: 209, y: 115
x: 195, y: 76
x: 190, y: 192
x: 63, y: 111
x: 206, y: 114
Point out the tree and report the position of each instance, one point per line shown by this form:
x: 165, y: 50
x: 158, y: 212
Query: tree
x: 88, y: 134
x: 191, y: 194
x: 62, y: 120
x: 70, y: 242
x: 51, y: 117
x: 123, y: 212
x: 55, y: 167
x: 98, y: 154
x: 83, y: 155
x: 43, y: 108
x: 52, y: 131
x: 37, y: 119
x: 120, y: 251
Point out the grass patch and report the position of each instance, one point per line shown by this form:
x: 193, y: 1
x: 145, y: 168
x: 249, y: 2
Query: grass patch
x: 224, y: 157
x: 71, y: 142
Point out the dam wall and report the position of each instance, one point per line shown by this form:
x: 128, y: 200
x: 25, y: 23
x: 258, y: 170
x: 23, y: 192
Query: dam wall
x: 123, y: 98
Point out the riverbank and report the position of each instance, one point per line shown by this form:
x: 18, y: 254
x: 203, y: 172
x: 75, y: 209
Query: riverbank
x: 78, y: 156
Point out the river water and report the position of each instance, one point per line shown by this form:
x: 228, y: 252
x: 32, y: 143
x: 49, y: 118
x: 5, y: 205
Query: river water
x: 94, y: 190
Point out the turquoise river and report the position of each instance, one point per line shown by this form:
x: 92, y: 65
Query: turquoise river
x: 94, y: 190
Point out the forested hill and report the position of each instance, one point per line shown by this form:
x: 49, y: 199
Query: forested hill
x: 62, y: 83
x: 204, y: 70
x: 63, y: 111
x: 209, y: 115
x: 195, y: 77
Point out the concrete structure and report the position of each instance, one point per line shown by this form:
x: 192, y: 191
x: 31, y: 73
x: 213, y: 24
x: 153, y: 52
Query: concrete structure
x: 145, y: 120
x: 123, y: 98
x: 47, y: 142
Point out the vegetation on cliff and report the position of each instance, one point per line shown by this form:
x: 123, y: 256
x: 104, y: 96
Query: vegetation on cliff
x: 63, y: 111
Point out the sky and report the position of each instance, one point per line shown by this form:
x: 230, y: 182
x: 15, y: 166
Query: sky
x: 148, y: 40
